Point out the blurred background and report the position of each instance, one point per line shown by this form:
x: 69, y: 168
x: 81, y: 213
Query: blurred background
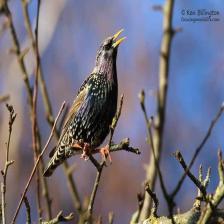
x: 70, y: 33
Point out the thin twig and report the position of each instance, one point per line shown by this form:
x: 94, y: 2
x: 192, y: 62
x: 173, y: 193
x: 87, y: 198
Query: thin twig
x: 217, y: 197
x: 12, y: 117
x: 124, y: 145
x: 36, y: 164
x: 151, y: 142
x: 115, y: 120
x: 28, y: 215
x: 95, y: 187
x: 43, y: 87
x: 199, y: 185
x: 18, y: 52
x: 36, y: 147
x: 198, y: 149
x: 155, y: 200
x: 200, y: 197
x: 35, y: 94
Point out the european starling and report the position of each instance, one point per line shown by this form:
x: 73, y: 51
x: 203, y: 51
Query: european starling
x: 89, y: 119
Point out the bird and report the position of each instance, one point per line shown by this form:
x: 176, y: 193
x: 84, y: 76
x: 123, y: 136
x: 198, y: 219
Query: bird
x: 88, y: 121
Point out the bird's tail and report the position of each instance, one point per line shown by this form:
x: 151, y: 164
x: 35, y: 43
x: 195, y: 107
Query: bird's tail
x: 57, y: 159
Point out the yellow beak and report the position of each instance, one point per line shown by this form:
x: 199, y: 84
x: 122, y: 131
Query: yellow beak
x: 115, y: 36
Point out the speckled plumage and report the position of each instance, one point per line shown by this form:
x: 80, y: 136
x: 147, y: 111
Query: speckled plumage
x: 93, y: 108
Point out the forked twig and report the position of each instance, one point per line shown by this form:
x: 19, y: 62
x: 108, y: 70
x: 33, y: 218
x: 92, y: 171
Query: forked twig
x: 199, y: 185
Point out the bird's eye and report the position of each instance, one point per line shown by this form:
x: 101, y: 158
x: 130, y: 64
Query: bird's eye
x: 107, y: 46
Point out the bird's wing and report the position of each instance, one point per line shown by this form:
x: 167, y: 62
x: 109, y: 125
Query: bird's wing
x: 75, y: 107
x: 80, y: 98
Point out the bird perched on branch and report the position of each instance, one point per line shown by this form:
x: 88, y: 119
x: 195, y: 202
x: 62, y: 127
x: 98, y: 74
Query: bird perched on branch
x: 89, y: 119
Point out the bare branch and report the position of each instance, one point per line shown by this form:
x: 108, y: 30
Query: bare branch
x: 43, y: 87
x: 36, y: 143
x: 165, y: 50
x: 199, y: 185
x: 115, y: 120
x: 36, y: 164
x: 150, y: 136
x: 28, y: 215
x: 17, y: 50
x: 95, y: 187
x: 12, y: 117
x: 220, y: 167
x: 123, y: 145
x: 155, y: 200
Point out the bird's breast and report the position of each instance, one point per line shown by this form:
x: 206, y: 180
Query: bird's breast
x: 99, y: 110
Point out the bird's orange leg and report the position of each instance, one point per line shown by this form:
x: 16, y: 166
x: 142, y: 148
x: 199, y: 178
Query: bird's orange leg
x: 105, y: 152
x: 77, y: 146
x: 86, y: 150
x: 85, y: 147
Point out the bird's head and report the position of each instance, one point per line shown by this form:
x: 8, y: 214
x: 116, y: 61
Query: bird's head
x: 107, y: 52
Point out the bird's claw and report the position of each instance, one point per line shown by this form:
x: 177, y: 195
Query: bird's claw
x: 86, y: 151
x: 85, y: 147
x: 105, y: 152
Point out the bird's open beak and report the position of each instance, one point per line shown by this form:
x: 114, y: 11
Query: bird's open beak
x: 115, y: 36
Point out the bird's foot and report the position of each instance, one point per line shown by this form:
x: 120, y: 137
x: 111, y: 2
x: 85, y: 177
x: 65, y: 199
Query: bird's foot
x: 105, y: 153
x: 86, y: 150
x: 85, y: 147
